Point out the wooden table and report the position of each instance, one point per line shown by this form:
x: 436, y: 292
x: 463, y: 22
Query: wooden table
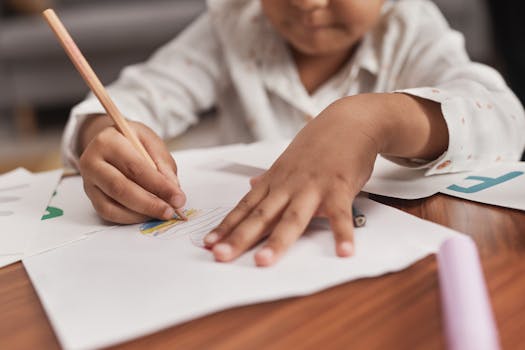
x: 396, y: 311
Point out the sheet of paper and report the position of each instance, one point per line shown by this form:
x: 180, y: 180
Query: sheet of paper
x: 68, y: 217
x: 120, y: 284
x: 6, y: 260
x: 388, y: 178
x: 392, y: 180
x: 502, y: 185
x: 23, y: 198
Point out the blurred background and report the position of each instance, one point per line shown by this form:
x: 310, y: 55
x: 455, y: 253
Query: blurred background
x: 38, y: 84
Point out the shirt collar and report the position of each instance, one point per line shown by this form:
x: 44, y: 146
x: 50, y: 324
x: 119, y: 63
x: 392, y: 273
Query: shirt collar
x: 366, y: 55
x: 279, y: 74
x: 272, y: 56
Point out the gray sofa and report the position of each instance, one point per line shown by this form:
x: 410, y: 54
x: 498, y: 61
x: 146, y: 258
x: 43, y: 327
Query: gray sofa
x: 34, y: 70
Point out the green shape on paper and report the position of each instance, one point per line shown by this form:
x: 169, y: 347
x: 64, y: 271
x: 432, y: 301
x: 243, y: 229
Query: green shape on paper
x: 52, y: 212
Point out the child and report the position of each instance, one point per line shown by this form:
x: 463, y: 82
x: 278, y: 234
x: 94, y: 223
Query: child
x: 387, y: 78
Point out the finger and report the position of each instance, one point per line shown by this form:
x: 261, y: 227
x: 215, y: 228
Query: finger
x: 338, y: 209
x: 255, y: 180
x: 158, y: 151
x: 110, y: 210
x: 131, y: 163
x: 241, y: 210
x: 252, y: 228
x: 320, y: 213
x: 290, y: 227
x: 130, y: 195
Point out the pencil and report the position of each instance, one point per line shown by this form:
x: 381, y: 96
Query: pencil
x: 358, y: 217
x: 96, y: 86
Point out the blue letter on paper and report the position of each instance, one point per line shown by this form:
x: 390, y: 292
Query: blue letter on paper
x: 486, y: 182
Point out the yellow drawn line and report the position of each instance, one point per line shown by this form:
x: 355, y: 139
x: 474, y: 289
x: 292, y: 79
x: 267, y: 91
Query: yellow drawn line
x: 161, y: 228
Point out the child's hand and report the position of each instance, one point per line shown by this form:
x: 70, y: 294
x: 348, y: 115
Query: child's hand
x: 121, y: 184
x: 320, y: 173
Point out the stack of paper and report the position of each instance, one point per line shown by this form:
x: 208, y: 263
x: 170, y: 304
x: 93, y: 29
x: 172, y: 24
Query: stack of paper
x: 36, y: 215
x: 23, y: 198
x: 133, y: 280
x: 69, y: 217
x: 388, y: 178
x: 501, y: 184
x: 129, y: 281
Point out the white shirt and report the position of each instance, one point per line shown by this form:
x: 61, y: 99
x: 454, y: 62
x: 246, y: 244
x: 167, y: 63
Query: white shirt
x: 232, y: 58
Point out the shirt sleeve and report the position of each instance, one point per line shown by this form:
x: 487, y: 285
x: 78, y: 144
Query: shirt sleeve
x: 485, y: 120
x: 167, y: 92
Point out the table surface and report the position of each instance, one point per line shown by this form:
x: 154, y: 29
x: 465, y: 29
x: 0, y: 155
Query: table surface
x: 399, y: 310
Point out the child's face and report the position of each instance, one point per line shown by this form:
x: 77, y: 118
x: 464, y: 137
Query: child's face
x: 320, y: 27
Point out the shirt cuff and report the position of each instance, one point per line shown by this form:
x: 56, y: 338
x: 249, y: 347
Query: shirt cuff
x: 458, y: 157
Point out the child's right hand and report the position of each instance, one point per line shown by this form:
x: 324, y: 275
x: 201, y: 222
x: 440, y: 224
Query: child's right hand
x: 120, y: 183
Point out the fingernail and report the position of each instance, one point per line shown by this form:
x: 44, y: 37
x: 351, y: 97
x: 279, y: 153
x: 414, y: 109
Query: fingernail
x: 346, y: 249
x: 178, y: 200
x: 265, y: 256
x: 169, y: 213
x: 222, y: 251
x: 211, y: 238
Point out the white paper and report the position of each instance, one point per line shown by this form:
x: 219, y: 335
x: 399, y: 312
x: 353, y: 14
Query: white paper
x: 70, y: 217
x: 23, y: 198
x: 259, y: 154
x: 6, y: 260
x: 393, y: 180
x: 388, y: 179
x: 121, y: 284
x: 502, y: 185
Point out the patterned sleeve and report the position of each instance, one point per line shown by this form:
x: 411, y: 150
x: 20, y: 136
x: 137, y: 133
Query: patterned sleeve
x: 167, y: 92
x: 485, y: 120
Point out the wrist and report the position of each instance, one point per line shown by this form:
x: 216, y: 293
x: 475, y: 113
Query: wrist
x: 370, y: 114
x: 419, y: 129
x: 400, y: 125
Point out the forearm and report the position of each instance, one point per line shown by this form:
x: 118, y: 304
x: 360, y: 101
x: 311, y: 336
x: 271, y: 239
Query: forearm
x: 400, y: 125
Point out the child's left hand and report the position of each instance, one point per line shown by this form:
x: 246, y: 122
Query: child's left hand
x: 320, y: 173
x: 324, y: 168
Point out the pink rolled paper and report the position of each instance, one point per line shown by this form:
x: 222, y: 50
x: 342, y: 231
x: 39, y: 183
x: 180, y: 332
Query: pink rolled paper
x: 467, y: 314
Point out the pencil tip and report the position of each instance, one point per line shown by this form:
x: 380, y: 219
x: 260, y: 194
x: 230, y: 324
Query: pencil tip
x: 181, y: 215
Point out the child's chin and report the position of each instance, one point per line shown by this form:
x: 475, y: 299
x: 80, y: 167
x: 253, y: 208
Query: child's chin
x: 311, y: 49
x: 321, y: 44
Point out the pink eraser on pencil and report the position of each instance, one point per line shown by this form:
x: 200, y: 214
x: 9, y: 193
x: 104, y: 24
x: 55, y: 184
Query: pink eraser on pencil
x: 467, y: 314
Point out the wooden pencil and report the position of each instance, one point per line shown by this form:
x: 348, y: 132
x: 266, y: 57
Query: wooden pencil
x: 96, y: 86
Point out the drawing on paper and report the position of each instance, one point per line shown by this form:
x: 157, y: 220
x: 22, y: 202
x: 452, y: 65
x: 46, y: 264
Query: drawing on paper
x: 200, y: 223
x: 10, y: 199
x: 159, y: 227
x: 484, y: 182
x: 12, y: 188
x: 52, y: 212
